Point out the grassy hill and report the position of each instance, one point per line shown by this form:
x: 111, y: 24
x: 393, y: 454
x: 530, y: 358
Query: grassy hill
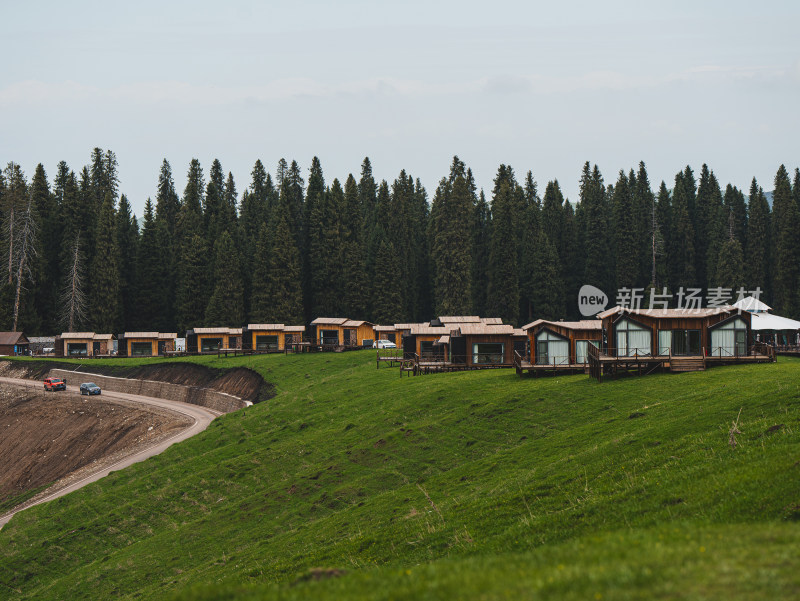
x: 355, y: 483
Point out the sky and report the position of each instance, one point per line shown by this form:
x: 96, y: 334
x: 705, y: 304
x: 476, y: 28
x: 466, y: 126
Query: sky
x: 540, y: 86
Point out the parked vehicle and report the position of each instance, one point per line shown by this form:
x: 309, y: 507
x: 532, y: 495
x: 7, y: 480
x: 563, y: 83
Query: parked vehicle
x: 53, y: 384
x: 384, y: 344
x: 90, y: 388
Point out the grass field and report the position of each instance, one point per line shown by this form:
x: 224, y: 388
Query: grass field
x: 355, y: 483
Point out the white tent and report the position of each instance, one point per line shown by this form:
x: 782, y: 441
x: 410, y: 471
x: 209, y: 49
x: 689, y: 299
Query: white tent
x: 767, y: 321
x: 752, y: 305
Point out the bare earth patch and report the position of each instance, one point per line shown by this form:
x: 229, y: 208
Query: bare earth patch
x: 61, y: 437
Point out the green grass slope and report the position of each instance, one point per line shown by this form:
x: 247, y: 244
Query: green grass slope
x: 355, y: 483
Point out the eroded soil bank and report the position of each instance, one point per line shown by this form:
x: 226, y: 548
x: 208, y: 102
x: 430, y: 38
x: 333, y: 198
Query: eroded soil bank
x: 58, y: 436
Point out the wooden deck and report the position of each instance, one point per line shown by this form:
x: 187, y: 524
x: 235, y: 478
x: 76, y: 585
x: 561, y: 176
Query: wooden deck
x: 602, y: 364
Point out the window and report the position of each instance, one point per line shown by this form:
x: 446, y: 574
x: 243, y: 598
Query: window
x: 551, y: 349
x: 77, y: 349
x: 582, y: 349
x: 686, y: 342
x: 492, y: 353
x: 426, y: 348
x: 267, y: 343
x: 329, y: 337
x: 208, y: 345
x: 141, y: 349
x: 664, y: 342
x: 632, y: 338
x: 729, y: 339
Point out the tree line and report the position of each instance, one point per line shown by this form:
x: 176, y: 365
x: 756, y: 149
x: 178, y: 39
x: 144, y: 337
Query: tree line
x: 288, y: 249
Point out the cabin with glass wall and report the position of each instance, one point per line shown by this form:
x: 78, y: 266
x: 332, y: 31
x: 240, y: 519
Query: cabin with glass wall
x: 146, y: 344
x: 211, y: 340
x: 271, y: 337
x: 562, y: 343
x: 84, y: 344
x: 342, y: 333
x: 713, y: 332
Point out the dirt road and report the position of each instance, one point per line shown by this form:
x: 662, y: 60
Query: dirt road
x: 198, y: 417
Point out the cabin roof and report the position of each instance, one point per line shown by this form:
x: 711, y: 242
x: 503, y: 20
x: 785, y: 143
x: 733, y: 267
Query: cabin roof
x: 460, y: 319
x: 384, y: 328
x: 12, y: 338
x: 444, y: 340
x: 353, y: 323
x: 274, y: 327
x: 583, y: 324
x: 477, y: 329
x: 329, y: 321
x: 427, y: 329
x: 141, y: 334
x: 668, y: 313
x: 217, y: 330
x: 85, y: 336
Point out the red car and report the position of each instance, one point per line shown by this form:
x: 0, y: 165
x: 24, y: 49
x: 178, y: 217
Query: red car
x: 53, y: 384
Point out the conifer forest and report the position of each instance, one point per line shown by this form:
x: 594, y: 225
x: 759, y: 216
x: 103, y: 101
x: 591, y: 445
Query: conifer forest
x: 295, y: 244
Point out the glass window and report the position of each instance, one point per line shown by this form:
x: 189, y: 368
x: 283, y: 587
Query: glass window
x: 551, y: 349
x: 208, y: 345
x: 491, y: 353
x: 426, y: 348
x: 267, y: 342
x: 77, y: 349
x: 141, y: 349
x: 329, y: 337
x: 632, y: 339
x: 582, y: 350
x: 729, y: 339
x: 664, y: 342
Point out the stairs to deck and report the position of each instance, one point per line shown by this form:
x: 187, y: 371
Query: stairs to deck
x: 684, y: 364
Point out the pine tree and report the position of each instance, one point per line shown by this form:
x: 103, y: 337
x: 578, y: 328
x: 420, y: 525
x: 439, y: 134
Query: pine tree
x: 548, y: 288
x: 625, y: 235
x: 74, y: 303
x: 213, y: 202
x: 451, y: 238
x: 734, y: 204
x: 127, y: 239
x: 226, y: 307
x: 759, y: 242
x: 285, y: 275
x: 660, y: 233
x: 325, y: 247
x: 481, y: 237
x: 192, y: 288
x: 154, y: 304
x: 597, y: 267
x: 254, y: 215
x: 261, y: 301
x: 355, y: 290
x: 104, y: 290
x: 730, y: 263
x: 503, y: 293
x: 167, y: 202
x: 786, y: 224
x: 681, y: 247
x: 48, y: 270
x: 643, y: 202
x: 386, y: 296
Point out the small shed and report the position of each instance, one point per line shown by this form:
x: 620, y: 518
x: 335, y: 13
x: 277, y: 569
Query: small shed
x: 14, y: 343
x: 42, y: 345
x: 210, y: 340
x: 146, y: 344
x: 270, y: 336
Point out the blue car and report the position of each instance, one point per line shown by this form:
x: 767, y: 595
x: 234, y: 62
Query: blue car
x: 90, y: 388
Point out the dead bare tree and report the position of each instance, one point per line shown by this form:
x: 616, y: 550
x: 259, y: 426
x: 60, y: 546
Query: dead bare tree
x: 73, y: 297
x: 12, y: 201
x: 24, y: 255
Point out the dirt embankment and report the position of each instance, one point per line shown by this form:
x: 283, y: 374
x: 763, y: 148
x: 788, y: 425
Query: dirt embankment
x: 49, y: 437
x: 239, y: 381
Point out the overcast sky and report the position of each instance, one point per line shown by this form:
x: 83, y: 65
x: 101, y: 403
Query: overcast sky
x: 539, y: 86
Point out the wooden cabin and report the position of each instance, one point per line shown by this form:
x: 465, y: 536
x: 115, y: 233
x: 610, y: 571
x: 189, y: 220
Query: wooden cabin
x: 146, y: 344
x: 394, y: 333
x: 430, y: 343
x: 721, y: 332
x: 562, y: 343
x: 483, y: 345
x: 210, y: 340
x: 341, y: 332
x: 14, y: 343
x: 42, y: 345
x: 84, y: 344
x: 271, y: 337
